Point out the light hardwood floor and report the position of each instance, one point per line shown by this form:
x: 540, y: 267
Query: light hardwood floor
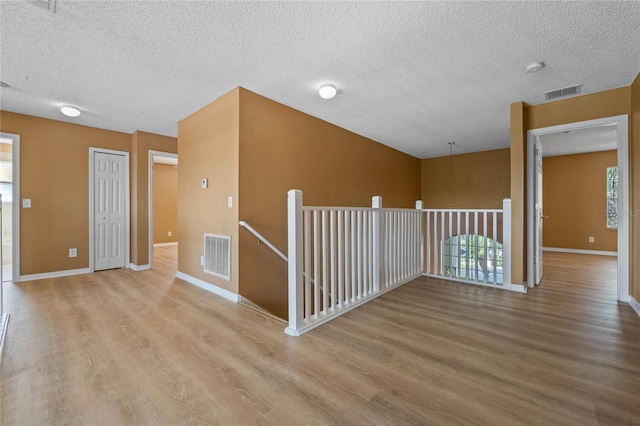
x: 124, y: 347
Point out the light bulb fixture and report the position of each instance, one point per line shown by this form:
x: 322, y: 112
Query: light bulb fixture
x: 534, y: 67
x: 70, y: 111
x: 327, y: 91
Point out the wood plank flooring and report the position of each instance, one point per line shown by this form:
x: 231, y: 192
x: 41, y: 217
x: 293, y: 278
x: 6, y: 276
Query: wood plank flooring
x: 145, y: 348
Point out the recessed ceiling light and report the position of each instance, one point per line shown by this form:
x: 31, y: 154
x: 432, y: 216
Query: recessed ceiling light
x: 327, y: 91
x: 534, y: 66
x: 70, y: 111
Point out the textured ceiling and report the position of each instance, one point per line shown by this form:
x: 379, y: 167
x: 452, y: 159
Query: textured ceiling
x: 593, y: 139
x: 411, y: 75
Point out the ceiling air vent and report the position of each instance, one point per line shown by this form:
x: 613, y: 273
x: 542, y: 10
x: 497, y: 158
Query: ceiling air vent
x: 49, y: 5
x: 566, y: 91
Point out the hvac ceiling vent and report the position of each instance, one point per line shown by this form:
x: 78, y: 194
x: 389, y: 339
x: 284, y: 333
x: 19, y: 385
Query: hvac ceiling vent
x: 566, y: 91
x: 49, y: 5
x: 217, y: 255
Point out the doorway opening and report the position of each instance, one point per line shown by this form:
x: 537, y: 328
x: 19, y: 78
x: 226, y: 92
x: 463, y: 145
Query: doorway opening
x: 582, y: 226
x: 163, y: 201
x: 10, y: 190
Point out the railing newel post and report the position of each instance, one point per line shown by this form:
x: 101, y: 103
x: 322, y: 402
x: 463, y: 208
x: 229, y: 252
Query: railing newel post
x: 506, y: 243
x: 295, y: 252
x: 378, y: 241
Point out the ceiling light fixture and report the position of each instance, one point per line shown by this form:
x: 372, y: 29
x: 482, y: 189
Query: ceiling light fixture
x: 70, y: 111
x: 534, y: 67
x: 327, y: 91
x: 3, y: 84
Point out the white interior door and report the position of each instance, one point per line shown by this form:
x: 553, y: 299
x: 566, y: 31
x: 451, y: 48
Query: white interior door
x: 109, y: 211
x: 538, y: 215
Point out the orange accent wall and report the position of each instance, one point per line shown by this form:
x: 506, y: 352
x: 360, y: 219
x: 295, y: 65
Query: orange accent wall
x: 479, y: 180
x: 575, y: 200
x: 141, y: 144
x: 54, y: 174
x: 282, y: 149
x: 634, y: 124
x: 165, y: 203
x: 581, y: 108
x: 208, y: 148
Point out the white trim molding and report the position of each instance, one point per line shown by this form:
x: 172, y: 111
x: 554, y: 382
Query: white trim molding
x: 17, y: 203
x: 137, y: 268
x: 209, y: 287
x: 175, y: 243
x: 634, y: 305
x: 55, y: 274
x: 580, y: 251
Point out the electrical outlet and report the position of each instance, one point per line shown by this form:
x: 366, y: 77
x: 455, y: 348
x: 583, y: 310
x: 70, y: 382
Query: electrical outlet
x: 73, y: 252
x: 205, y: 183
x: 169, y: 233
x: 592, y: 240
x: 26, y: 203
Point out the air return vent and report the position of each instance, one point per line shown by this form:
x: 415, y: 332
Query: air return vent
x: 49, y: 5
x: 566, y: 91
x: 217, y: 255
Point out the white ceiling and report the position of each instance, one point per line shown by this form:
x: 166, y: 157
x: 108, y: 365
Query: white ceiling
x: 412, y: 75
x: 592, y: 139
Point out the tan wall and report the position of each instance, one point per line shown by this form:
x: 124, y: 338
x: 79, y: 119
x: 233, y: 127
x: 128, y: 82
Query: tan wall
x: 581, y: 108
x: 480, y: 180
x: 165, y: 203
x: 208, y: 145
x: 141, y: 144
x: 283, y: 149
x: 634, y: 121
x: 574, y: 189
x: 54, y: 174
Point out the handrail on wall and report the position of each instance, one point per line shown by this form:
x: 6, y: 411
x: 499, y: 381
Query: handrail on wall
x: 263, y: 239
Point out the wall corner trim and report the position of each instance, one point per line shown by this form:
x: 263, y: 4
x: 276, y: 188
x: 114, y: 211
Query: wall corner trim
x: 139, y: 267
x: 635, y: 305
x: 55, y: 274
x: 209, y: 287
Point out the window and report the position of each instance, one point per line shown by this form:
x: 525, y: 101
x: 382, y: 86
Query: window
x: 612, y: 198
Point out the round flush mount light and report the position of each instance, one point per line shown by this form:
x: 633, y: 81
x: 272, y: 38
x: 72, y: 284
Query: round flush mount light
x: 70, y: 111
x: 534, y: 67
x: 327, y: 91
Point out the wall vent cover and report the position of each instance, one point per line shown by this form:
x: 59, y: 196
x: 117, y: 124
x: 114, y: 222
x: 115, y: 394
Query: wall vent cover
x: 217, y: 255
x: 565, y: 91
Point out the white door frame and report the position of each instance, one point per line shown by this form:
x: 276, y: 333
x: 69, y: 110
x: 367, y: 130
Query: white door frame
x: 127, y: 198
x: 15, y: 213
x: 152, y: 155
x: 622, y: 123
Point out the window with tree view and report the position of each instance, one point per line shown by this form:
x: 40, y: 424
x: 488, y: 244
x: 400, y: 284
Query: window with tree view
x: 612, y: 197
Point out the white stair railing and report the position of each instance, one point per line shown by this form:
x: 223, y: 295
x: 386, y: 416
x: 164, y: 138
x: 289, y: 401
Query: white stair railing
x: 470, y: 245
x: 263, y: 240
x: 358, y: 253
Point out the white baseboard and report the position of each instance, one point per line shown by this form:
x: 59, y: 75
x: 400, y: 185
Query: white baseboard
x: 56, y: 274
x: 518, y: 288
x: 634, y: 304
x: 209, y: 287
x: 580, y: 251
x: 4, y: 323
x: 139, y: 267
x: 175, y: 243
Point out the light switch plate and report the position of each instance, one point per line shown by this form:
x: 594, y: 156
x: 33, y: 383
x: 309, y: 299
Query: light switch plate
x: 230, y: 202
x: 26, y: 203
x: 205, y: 183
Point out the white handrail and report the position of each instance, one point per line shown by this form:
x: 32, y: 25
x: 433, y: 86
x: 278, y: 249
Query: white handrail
x: 264, y: 240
